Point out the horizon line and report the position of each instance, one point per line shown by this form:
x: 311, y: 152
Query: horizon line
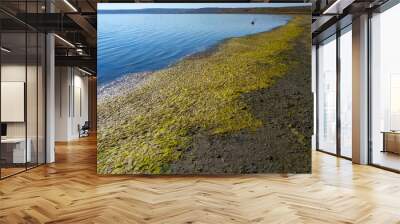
x: 141, y: 6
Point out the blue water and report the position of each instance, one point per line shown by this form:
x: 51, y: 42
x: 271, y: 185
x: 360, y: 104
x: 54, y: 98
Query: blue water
x: 130, y: 43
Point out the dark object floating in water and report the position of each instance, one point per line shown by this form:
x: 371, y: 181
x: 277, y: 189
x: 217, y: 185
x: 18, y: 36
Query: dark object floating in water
x: 252, y: 22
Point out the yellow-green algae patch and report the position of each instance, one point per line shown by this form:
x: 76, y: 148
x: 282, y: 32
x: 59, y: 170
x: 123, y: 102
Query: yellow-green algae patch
x: 145, y: 130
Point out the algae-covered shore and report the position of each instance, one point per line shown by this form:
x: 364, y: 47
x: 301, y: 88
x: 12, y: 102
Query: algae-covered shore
x: 245, y: 107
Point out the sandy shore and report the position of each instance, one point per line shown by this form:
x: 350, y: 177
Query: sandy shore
x: 121, y: 86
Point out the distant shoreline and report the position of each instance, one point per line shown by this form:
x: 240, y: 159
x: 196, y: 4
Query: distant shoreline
x: 212, y: 10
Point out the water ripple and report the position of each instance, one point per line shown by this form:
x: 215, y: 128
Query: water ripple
x: 130, y: 43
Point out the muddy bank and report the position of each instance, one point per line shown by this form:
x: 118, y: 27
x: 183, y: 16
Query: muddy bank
x: 282, y: 145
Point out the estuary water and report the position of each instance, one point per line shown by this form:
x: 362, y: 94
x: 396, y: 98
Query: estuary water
x: 132, y: 43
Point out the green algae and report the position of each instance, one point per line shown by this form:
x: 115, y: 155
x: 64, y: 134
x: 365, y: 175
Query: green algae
x: 147, y: 129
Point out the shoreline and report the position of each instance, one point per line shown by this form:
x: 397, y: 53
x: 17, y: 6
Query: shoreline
x: 128, y: 82
x: 214, y: 48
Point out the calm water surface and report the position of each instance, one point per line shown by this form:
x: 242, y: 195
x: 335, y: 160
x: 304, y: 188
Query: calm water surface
x: 130, y: 43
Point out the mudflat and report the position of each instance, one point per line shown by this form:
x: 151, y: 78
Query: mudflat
x: 244, y: 107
